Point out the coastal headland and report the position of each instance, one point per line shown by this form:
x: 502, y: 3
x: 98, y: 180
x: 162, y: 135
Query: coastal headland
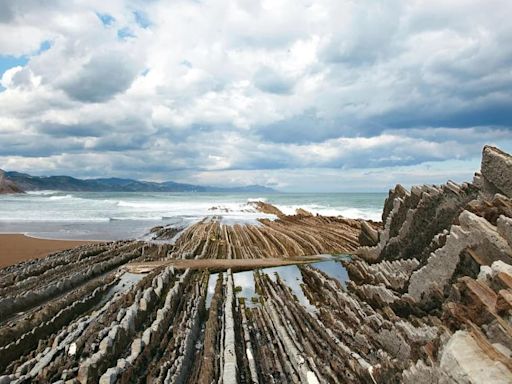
x: 427, y: 297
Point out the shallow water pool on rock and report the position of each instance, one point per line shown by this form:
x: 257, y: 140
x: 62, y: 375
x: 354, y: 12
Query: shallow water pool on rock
x: 291, y: 275
x: 212, y: 281
x: 334, y: 269
x: 126, y: 281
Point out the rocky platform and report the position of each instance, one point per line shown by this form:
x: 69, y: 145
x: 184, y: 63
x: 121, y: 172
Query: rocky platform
x: 429, y: 299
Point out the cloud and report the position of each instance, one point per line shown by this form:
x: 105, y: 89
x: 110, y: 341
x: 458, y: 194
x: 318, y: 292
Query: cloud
x: 6, y: 12
x: 100, y: 78
x: 228, y: 91
x: 268, y: 80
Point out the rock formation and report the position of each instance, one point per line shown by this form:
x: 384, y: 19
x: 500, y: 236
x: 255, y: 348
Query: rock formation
x: 429, y: 299
x: 8, y: 186
x: 495, y: 169
x: 459, y: 240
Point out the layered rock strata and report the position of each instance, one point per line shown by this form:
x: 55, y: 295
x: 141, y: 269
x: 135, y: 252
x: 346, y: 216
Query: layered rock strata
x: 429, y: 299
x: 451, y: 271
x: 288, y: 236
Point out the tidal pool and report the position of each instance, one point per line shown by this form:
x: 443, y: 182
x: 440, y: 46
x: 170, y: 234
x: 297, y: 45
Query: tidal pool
x: 212, y: 281
x: 126, y: 281
x: 291, y: 275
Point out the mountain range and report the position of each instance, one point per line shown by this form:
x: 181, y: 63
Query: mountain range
x: 28, y: 182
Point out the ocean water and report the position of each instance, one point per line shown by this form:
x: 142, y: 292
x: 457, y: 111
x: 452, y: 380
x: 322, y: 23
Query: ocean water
x: 114, y: 215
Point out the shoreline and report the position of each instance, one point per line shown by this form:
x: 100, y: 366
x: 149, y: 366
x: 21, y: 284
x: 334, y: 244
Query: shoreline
x: 18, y: 247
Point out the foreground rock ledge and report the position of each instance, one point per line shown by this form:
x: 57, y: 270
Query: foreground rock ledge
x: 429, y: 299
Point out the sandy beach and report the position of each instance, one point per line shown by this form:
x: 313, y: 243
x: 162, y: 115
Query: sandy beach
x: 16, y: 248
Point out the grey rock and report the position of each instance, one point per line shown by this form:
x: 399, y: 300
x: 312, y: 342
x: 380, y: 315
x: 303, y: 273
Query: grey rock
x: 474, y: 232
x: 464, y: 362
x: 496, y: 168
x: 505, y: 228
x: 109, y: 377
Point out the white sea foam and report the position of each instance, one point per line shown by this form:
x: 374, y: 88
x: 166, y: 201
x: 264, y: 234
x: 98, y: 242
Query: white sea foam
x: 367, y: 214
x: 256, y: 199
x: 140, y: 218
x: 61, y: 197
x: 43, y: 193
x: 347, y: 212
x: 190, y: 208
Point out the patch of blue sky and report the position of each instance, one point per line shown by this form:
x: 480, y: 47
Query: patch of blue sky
x: 125, y: 33
x: 8, y: 62
x: 141, y: 19
x: 106, y: 19
x: 45, y: 45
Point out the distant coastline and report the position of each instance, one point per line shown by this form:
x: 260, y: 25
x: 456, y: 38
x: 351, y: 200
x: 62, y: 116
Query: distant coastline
x: 28, y: 182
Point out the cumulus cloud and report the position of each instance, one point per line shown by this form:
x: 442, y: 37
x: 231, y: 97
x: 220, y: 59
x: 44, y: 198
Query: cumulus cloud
x: 100, y: 78
x: 245, y: 92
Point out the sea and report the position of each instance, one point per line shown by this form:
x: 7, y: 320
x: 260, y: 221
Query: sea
x: 122, y: 215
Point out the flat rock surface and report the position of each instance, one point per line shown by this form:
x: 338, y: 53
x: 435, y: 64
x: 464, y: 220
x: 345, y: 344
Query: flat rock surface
x: 220, y: 264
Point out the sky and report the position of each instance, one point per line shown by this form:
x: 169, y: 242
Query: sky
x: 306, y: 96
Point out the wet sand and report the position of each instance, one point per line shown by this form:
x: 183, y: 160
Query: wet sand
x: 216, y: 265
x: 16, y: 248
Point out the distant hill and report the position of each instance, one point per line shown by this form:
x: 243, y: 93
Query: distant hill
x: 68, y: 183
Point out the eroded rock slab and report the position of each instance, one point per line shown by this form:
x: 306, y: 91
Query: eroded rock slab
x: 497, y: 169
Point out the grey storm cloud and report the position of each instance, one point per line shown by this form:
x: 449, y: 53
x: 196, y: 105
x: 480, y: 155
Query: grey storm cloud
x: 6, y: 12
x: 96, y: 129
x: 100, y: 78
x: 204, y: 89
x: 312, y: 128
x: 268, y: 80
